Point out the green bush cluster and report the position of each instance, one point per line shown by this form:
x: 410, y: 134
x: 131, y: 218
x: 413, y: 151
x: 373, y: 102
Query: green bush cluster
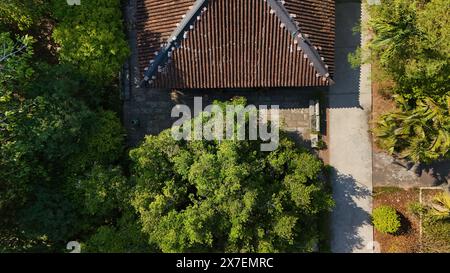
x: 436, y: 225
x: 21, y: 15
x: 91, y: 36
x: 411, y: 44
x: 60, y: 141
x: 386, y: 220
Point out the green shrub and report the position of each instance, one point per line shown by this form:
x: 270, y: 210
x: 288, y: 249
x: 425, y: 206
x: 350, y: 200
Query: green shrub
x: 416, y: 208
x: 386, y: 219
x: 21, y: 14
x: 355, y: 59
x: 91, y: 37
x: 436, y: 235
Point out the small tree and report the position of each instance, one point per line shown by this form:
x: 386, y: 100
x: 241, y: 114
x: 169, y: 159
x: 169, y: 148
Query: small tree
x: 411, y: 44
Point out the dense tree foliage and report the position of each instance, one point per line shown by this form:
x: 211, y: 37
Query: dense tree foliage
x: 61, y: 143
x: 227, y: 195
x: 65, y: 173
x: 421, y: 134
x: 15, y: 55
x: 21, y: 14
x: 48, y: 141
x: 91, y: 36
x: 123, y: 237
x: 14, y: 69
x: 411, y: 44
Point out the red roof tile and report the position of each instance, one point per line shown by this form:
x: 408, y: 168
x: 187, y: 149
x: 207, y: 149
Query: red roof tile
x: 236, y: 44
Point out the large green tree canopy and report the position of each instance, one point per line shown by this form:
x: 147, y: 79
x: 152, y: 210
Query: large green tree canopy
x: 91, y: 36
x: 52, y: 147
x: 64, y: 175
x: 59, y: 142
x: 228, y: 195
x: 412, y: 43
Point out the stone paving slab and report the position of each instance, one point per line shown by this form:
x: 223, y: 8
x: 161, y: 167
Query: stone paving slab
x: 390, y: 173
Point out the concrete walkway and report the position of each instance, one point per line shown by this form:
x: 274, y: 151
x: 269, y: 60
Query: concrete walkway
x: 350, y: 145
x: 388, y: 172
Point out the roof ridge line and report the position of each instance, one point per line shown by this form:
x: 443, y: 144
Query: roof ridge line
x: 164, y: 53
x: 286, y: 19
x: 199, y: 7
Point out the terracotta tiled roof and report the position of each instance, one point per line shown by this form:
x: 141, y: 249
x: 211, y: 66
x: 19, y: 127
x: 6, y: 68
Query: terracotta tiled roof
x: 236, y: 43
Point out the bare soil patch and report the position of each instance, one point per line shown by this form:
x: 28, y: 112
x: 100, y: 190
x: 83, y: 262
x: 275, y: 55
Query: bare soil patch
x: 382, y: 101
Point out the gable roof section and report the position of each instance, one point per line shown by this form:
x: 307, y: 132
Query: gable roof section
x: 236, y: 43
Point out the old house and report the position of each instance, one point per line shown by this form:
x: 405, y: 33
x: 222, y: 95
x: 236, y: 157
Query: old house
x: 272, y: 52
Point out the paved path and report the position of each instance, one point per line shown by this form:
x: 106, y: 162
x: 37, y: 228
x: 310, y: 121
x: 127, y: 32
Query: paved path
x: 388, y: 172
x: 350, y: 144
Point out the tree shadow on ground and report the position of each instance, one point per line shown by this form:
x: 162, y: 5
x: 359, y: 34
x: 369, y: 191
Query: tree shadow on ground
x: 405, y: 227
x: 439, y: 171
x: 348, y: 217
x: 346, y: 91
x: 432, y: 174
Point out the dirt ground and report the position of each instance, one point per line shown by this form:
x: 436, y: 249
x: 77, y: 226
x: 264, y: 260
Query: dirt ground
x: 435, y: 238
x: 382, y: 102
x: 429, y: 194
x: 407, y: 239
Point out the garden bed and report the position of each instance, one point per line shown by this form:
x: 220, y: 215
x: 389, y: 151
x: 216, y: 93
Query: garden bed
x: 406, y: 240
x: 433, y: 236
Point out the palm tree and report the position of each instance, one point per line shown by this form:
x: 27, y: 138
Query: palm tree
x: 440, y: 208
x: 420, y: 134
x: 395, y: 33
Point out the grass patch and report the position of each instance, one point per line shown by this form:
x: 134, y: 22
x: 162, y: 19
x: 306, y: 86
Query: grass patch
x: 385, y: 190
x: 436, y: 236
x: 435, y: 230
